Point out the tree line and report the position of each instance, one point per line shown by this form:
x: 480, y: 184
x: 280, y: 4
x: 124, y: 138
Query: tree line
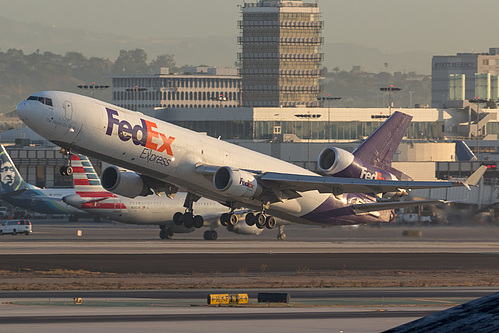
x: 23, y: 74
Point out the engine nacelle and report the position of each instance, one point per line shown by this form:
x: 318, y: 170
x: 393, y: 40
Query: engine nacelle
x: 340, y: 163
x: 126, y: 183
x: 237, y: 183
x: 333, y: 160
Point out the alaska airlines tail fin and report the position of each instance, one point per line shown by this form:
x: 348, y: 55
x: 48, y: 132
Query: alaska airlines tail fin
x: 86, y: 182
x: 378, y: 149
x: 11, y: 180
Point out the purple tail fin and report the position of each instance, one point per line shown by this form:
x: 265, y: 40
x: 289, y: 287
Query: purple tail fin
x: 378, y: 149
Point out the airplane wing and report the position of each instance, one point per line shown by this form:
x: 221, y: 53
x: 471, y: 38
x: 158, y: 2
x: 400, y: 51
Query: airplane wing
x: 377, y: 206
x: 339, y: 185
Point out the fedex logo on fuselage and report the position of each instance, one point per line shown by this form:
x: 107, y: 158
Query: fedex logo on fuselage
x: 141, y: 135
x: 371, y: 175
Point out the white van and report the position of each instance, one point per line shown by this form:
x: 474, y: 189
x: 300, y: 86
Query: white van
x: 16, y: 226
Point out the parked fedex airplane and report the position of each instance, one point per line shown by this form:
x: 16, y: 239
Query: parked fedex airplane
x: 360, y: 187
x: 92, y: 198
x: 17, y: 192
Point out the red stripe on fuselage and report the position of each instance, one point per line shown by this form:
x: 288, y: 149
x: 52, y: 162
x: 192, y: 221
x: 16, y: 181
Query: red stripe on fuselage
x: 100, y: 194
x: 100, y: 205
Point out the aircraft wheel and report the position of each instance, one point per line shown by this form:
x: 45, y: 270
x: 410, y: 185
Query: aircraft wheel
x: 62, y: 170
x: 188, y: 220
x: 210, y: 235
x: 232, y: 219
x: 250, y: 219
x: 224, y: 219
x: 69, y: 171
x: 260, y: 220
x: 178, y: 218
x: 270, y: 222
x: 198, y: 221
x: 162, y: 234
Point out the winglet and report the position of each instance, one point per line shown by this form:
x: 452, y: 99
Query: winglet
x: 475, y: 177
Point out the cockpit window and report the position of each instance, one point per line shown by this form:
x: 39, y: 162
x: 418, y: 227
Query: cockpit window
x: 43, y: 100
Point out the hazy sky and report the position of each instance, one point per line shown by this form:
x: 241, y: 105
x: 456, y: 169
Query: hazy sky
x: 443, y: 26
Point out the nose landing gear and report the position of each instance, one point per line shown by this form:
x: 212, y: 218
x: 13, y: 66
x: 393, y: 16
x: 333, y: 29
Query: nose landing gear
x: 66, y: 170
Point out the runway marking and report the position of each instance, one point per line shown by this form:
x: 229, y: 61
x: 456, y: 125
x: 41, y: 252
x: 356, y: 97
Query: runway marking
x: 432, y: 300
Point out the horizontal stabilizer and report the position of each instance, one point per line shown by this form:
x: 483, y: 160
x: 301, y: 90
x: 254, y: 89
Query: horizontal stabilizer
x: 476, y: 176
x: 377, y: 206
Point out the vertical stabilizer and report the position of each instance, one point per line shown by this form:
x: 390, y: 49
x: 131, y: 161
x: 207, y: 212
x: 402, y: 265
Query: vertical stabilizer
x: 86, y: 182
x: 378, y: 149
x: 11, y: 180
x: 463, y: 152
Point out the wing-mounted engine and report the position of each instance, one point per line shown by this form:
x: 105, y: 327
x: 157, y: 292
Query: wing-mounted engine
x: 130, y: 184
x: 237, y: 183
x: 126, y: 183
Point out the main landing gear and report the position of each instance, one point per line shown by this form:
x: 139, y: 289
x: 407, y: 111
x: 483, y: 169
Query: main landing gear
x: 261, y: 220
x: 66, y: 170
x: 188, y: 219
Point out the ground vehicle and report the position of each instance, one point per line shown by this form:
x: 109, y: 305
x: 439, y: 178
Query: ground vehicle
x: 16, y: 226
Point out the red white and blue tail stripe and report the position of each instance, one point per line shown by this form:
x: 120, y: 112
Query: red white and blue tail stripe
x: 87, y: 183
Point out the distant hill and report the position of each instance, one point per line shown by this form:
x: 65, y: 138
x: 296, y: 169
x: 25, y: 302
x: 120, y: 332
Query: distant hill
x: 212, y: 50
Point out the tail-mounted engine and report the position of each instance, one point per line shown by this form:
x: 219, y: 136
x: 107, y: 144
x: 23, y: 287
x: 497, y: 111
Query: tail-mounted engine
x: 340, y: 163
x: 333, y: 160
x: 238, y: 183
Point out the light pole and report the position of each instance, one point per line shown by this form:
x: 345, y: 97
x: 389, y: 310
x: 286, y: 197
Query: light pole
x: 328, y: 98
x: 136, y: 89
x: 93, y: 87
x: 477, y: 101
x: 390, y: 89
x: 308, y: 116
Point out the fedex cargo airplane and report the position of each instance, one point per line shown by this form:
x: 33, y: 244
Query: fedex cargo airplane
x: 359, y: 187
x: 17, y: 192
x: 89, y: 196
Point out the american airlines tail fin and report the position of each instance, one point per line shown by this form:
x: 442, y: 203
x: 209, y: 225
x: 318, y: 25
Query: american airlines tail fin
x: 86, y: 182
x: 378, y: 149
x: 11, y: 180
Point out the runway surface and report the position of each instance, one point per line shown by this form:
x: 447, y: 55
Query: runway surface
x: 123, y: 250
x: 371, y: 310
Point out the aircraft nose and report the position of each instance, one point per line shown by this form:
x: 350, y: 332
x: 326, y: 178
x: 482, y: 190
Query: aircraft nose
x: 23, y: 110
